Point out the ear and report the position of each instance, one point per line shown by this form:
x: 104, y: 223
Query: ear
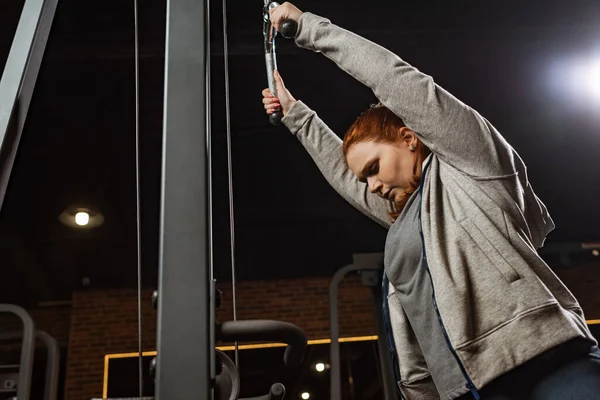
x: 409, y: 138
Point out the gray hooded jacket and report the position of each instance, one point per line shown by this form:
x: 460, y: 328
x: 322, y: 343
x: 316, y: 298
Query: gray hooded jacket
x: 500, y: 303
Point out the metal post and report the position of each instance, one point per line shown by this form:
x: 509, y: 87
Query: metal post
x: 27, y: 349
x: 334, y: 349
x: 52, y: 365
x: 18, y: 79
x: 184, y: 341
x: 362, y: 262
x: 385, y: 361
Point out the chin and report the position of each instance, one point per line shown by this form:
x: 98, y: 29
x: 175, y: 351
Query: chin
x: 398, y: 197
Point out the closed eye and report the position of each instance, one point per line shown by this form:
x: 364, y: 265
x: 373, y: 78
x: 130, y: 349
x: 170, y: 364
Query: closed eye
x: 372, y: 168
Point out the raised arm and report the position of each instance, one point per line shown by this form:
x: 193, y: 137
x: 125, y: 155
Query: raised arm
x: 325, y: 148
x: 452, y: 130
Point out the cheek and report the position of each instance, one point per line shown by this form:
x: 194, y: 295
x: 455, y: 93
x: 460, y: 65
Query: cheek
x: 392, y: 174
x: 408, y: 168
x: 404, y: 170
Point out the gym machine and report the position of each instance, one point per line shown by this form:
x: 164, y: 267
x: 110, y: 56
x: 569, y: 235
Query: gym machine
x: 16, y: 90
x: 187, y: 365
x: 15, y: 380
x: 370, y: 267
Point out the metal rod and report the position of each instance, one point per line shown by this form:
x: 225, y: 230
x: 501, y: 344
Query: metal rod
x: 230, y: 174
x: 52, y: 365
x: 19, y: 78
x: 385, y: 362
x: 27, y: 349
x: 185, y: 345
x: 362, y: 262
x: 334, y: 349
x: 138, y: 208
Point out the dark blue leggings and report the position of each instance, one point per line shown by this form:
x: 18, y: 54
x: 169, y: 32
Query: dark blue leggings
x: 563, y: 376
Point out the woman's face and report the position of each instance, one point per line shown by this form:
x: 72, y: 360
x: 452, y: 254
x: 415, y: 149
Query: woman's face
x: 387, y: 168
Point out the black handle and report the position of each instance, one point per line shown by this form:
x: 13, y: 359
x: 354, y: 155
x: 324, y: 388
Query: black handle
x: 276, y: 393
x: 275, y: 118
x: 288, y: 28
x: 270, y: 331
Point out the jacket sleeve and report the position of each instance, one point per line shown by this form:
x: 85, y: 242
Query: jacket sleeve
x: 452, y: 130
x: 325, y: 148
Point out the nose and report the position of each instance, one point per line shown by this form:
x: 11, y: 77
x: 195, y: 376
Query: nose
x: 374, y: 184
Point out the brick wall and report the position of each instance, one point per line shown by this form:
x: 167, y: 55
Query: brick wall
x: 104, y: 322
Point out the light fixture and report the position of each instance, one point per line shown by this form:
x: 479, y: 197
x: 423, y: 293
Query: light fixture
x: 576, y: 80
x: 320, y: 367
x: 81, y: 217
x: 305, y: 396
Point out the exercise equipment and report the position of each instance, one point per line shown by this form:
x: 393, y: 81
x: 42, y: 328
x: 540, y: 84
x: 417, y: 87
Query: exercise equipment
x: 288, y: 31
x: 186, y: 365
x: 15, y: 380
x: 227, y: 382
x: 370, y: 266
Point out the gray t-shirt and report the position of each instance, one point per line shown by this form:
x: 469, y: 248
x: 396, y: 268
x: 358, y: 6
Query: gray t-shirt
x: 407, y: 272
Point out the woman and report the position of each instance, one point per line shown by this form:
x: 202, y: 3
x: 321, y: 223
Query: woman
x: 474, y: 311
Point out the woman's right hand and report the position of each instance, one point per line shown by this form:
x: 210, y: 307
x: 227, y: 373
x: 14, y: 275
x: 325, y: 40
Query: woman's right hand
x: 282, y: 99
x: 284, y: 12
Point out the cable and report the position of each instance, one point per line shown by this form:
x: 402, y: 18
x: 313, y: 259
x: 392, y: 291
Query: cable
x: 211, y: 273
x: 229, y: 169
x: 138, y: 210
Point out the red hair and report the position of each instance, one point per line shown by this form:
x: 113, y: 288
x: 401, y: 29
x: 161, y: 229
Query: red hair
x: 378, y: 124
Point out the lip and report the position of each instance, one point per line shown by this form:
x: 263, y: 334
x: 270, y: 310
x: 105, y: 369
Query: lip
x: 386, y: 195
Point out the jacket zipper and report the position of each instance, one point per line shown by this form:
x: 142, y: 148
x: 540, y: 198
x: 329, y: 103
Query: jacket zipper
x: 470, y: 384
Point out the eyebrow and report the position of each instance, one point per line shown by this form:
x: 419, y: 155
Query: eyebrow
x: 366, y: 169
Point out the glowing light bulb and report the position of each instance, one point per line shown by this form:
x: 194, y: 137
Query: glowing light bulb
x: 593, y: 78
x: 320, y: 367
x: 82, y: 218
x: 305, y: 395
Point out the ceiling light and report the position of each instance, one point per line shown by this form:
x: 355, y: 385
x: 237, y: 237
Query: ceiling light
x: 81, y: 217
x: 305, y: 396
x: 576, y: 80
x: 320, y: 367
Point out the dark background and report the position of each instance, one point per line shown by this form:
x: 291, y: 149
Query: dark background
x: 510, y: 60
